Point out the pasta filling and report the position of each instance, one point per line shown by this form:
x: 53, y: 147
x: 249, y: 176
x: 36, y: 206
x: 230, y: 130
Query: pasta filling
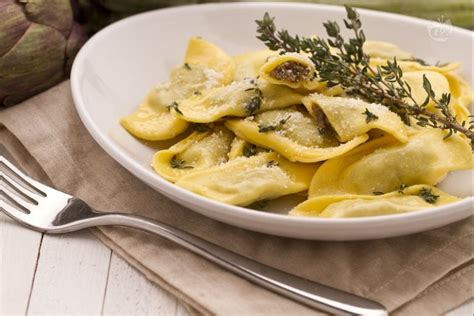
x: 290, y: 71
x: 293, y: 70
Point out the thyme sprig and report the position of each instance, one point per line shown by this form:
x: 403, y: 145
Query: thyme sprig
x: 343, y: 62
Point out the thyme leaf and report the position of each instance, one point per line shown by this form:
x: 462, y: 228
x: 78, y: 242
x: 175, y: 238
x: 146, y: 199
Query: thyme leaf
x: 420, y: 61
x: 269, y: 128
x: 370, y: 116
x: 201, y: 128
x: 426, y: 195
x: 249, y: 151
x: 260, y: 204
x: 272, y: 163
x: 176, y: 163
x: 402, y: 188
x: 253, y: 105
x: 174, y: 105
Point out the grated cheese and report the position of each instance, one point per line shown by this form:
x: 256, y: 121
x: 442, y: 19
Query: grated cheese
x: 213, y: 78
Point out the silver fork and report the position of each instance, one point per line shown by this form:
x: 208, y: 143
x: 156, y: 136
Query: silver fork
x: 47, y: 210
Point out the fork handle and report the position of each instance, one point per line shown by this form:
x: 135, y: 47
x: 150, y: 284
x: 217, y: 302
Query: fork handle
x: 310, y: 293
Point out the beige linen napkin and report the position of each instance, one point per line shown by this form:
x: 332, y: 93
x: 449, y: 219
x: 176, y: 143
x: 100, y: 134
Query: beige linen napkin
x: 421, y: 274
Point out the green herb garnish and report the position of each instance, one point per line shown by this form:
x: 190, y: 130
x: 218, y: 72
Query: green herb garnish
x: 186, y: 65
x: 370, y: 116
x: 174, y: 105
x: 402, y: 188
x: 253, y: 105
x: 260, y: 204
x: 201, y: 128
x: 429, y: 197
x: 176, y: 163
x: 272, y: 163
x: 418, y: 60
x: 249, y: 151
x: 269, y: 128
x: 344, y: 62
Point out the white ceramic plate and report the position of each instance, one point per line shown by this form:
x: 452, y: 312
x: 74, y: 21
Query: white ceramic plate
x: 115, y: 69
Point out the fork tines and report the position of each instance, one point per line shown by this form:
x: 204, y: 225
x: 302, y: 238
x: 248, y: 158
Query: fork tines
x: 17, y: 190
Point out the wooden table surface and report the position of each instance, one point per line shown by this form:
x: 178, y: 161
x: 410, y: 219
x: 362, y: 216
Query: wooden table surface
x: 77, y: 274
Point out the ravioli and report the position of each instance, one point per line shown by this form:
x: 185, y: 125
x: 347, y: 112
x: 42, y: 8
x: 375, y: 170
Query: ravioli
x: 293, y: 133
x: 243, y: 180
x: 461, y: 97
x: 413, y: 65
x: 217, y: 62
x: 349, y: 117
x: 296, y: 71
x: 247, y: 65
x: 293, y: 70
x: 199, y: 151
x: 411, y: 199
x: 385, y: 50
x: 205, y: 66
x: 439, y: 85
x: 383, y: 164
x: 241, y: 98
x: 237, y: 148
x: 461, y: 94
x: 152, y: 120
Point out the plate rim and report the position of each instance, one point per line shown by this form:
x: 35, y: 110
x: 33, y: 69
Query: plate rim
x: 179, y: 194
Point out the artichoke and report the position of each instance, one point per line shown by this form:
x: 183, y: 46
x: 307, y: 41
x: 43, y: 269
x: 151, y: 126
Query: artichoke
x: 38, y: 42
